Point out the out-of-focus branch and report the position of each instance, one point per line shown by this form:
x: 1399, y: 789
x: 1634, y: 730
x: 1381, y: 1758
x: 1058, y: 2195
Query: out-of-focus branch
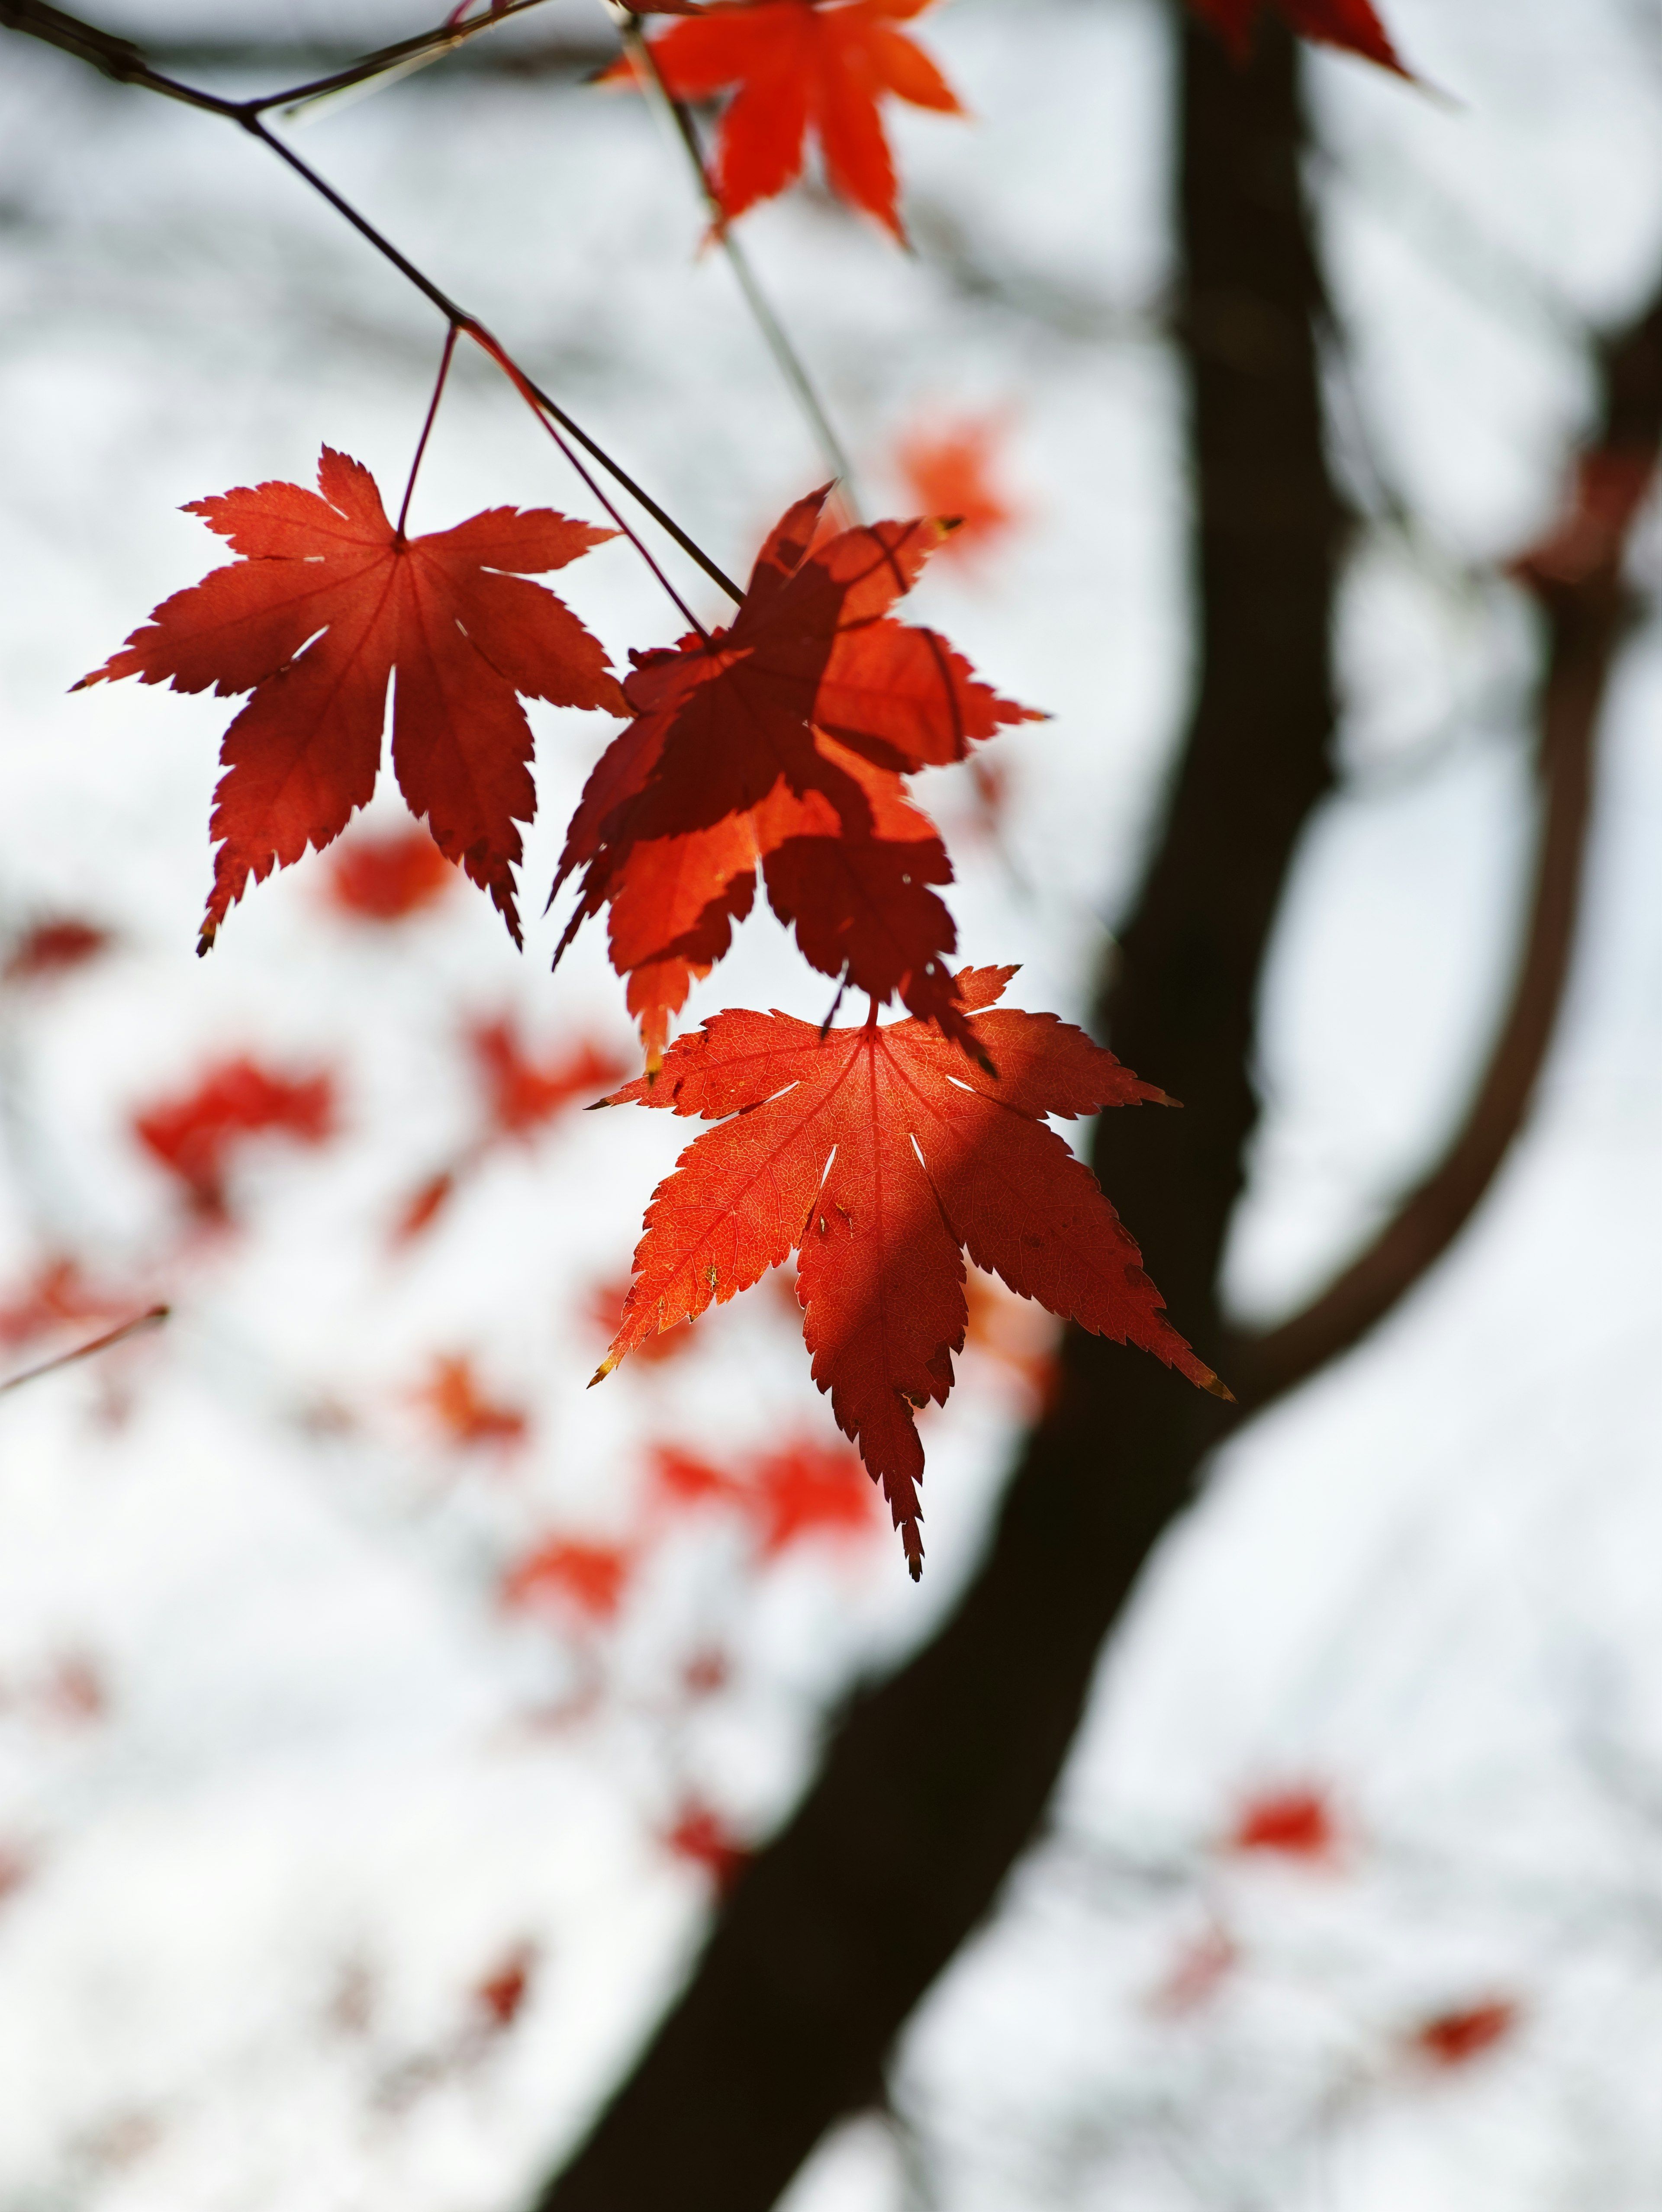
x: 152, y: 1318
x: 130, y: 63
x: 1575, y: 575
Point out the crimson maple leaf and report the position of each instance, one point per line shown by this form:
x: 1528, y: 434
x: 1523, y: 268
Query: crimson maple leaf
x: 1350, y: 23
x: 782, y: 742
x: 882, y: 1155
x: 325, y: 601
x: 801, y: 65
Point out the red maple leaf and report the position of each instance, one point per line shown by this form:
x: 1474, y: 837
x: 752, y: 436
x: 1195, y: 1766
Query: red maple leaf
x: 801, y: 65
x: 880, y: 1155
x: 452, y: 613
x: 949, y: 472
x: 781, y: 743
x: 195, y: 1136
x: 1350, y: 23
x: 387, y: 878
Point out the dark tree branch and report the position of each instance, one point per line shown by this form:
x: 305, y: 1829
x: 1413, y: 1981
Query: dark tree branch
x: 935, y: 1782
x: 1576, y: 577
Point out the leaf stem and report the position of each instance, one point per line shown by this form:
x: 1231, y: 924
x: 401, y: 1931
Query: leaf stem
x: 445, y: 359
x: 790, y: 362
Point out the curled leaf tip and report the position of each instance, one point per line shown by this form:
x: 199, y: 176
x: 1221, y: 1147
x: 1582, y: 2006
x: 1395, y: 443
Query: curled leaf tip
x: 1218, y: 1387
x: 603, y: 1369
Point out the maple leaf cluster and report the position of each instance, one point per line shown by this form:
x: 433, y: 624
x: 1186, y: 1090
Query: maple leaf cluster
x: 781, y: 745
x: 778, y: 747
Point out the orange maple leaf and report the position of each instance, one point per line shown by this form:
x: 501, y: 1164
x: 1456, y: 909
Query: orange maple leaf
x: 324, y: 602
x: 880, y: 1155
x: 781, y: 743
x: 801, y: 65
x: 1349, y: 23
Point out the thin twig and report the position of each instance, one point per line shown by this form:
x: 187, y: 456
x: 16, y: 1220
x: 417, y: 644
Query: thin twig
x: 119, y: 58
x: 790, y: 363
x: 151, y: 1319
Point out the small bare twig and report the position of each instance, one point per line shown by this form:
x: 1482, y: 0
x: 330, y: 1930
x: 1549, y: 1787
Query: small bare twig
x: 121, y: 60
x: 153, y: 1318
x: 790, y: 363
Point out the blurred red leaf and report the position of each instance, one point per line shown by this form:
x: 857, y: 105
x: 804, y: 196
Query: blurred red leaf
x: 74, y: 1690
x: 701, y: 1835
x: 387, y: 876
x: 523, y: 1094
x: 706, y: 1673
x: 950, y: 473
x: 803, y: 1488
x: 812, y: 1490
x: 690, y: 1480
x: 423, y: 1208
x: 50, y: 949
x: 1200, y: 1970
x: 1296, y: 1824
x: 16, y: 1868
x: 197, y: 1136
x: 592, y: 1577
x: 500, y: 1997
x: 1455, y: 2038
x: 59, y: 1294
x: 461, y: 1409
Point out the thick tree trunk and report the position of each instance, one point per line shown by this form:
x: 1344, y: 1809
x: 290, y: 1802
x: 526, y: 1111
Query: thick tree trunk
x: 935, y: 1782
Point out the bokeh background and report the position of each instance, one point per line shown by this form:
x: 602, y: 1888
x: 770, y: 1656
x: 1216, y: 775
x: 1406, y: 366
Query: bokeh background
x: 380, y: 1710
